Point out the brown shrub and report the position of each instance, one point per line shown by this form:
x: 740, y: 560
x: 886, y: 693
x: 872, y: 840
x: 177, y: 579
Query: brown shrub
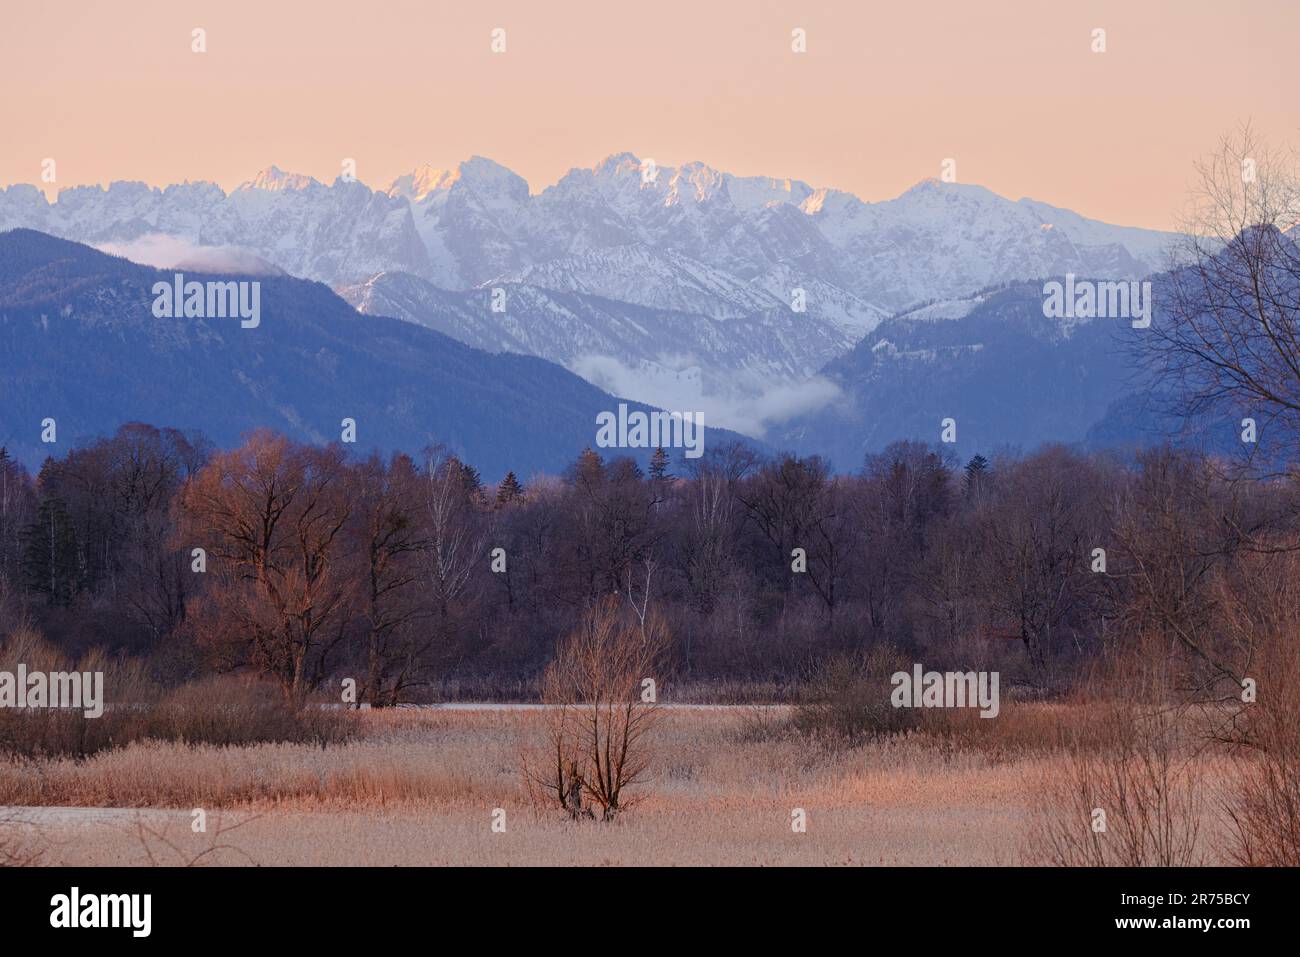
x: 848, y: 698
x: 1263, y: 802
x: 220, y: 711
x: 230, y: 713
x: 1131, y: 793
x: 1021, y: 728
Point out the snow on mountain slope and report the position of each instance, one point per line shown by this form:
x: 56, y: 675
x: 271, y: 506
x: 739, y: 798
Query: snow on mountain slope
x: 467, y: 219
x: 638, y: 274
x: 1147, y: 246
x: 756, y: 192
x: 851, y: 315
x: 942, y: 309
x: 300, y: 225
x: 940, y: 240
x: 735, y: 368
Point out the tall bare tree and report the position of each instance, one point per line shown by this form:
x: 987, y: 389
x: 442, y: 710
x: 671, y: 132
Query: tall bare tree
x: 453, y: 533
x: 387, y: 536
x: 1227, y: 333
x: 271, y: 516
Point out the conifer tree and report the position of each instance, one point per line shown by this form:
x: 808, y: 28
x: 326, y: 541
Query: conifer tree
x: 509, y: 489
x: 659, y: 464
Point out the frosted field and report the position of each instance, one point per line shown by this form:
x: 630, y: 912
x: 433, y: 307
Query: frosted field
x: 421, y: 785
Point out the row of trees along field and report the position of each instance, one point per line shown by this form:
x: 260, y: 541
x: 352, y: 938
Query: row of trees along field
x: 402, y: 572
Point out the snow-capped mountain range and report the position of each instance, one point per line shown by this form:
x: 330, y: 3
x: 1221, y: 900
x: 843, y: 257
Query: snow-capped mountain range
x: 687, y: 287
x: 468, y: 226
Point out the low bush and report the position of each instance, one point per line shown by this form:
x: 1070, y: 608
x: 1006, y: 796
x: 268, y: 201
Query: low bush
x: 848, y: 698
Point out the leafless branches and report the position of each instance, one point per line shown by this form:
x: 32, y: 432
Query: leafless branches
x: 597, y: 745
x: 160, y: 850
x: 1227, y: 337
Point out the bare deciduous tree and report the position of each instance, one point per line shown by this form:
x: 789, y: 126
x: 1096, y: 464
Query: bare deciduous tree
x: 387, y: 531
x: 1227, y: 338
x: 597, y: 745
x: 271, y: 515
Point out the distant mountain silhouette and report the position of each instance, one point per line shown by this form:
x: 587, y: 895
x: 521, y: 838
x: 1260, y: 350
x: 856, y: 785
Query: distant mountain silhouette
x: 79, y: 343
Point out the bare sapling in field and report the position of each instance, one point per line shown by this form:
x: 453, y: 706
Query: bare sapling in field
x: 599, y: 686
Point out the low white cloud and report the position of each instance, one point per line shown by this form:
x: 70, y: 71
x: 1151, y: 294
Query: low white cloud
x: 164, y: 251
x: 744, y: 404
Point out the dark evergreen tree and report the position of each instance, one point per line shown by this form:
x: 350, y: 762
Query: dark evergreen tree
x: 51, y: 565
x: 977, y: 474
x: 470, y: 476
x: 509, y: 489
x: 659, y: 464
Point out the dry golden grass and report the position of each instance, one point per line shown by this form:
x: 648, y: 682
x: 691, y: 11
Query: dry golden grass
x: 419, y: 787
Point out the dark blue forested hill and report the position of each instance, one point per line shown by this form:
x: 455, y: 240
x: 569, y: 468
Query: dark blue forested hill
x: 1011, y: 377
x: 79, y: 343
x: 1007, y: 374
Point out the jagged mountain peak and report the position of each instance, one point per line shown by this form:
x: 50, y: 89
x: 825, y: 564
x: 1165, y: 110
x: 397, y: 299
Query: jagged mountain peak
x: 695, y: 181
x: 422, y: 181
x: 275, y: 179
x: 933, y: 189
x: 618, y: 164
x: 758, y: 192
x: 483, y: 173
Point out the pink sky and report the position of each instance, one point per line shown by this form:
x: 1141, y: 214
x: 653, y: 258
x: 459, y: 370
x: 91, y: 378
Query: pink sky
x: 886, y: 91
